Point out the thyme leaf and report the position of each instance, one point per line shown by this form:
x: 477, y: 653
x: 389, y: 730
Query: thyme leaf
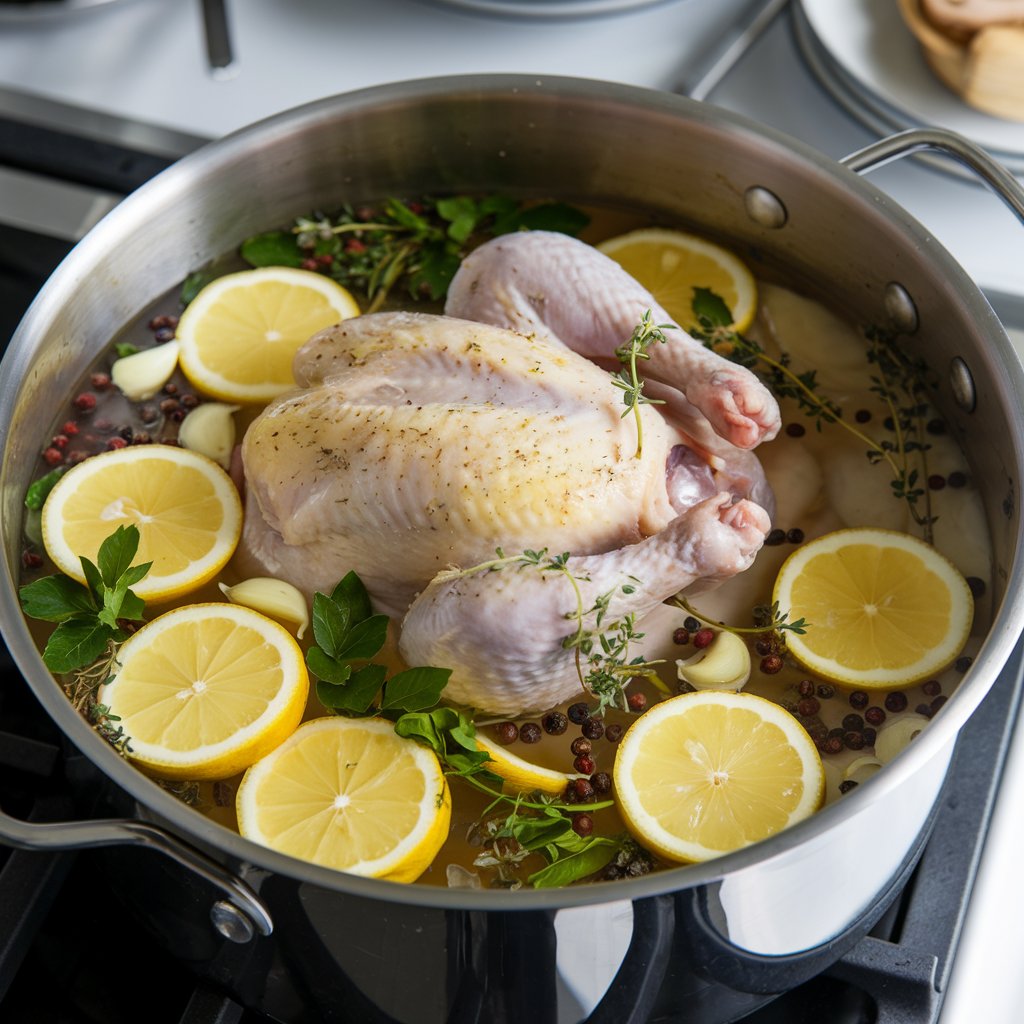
x: 628, y: 381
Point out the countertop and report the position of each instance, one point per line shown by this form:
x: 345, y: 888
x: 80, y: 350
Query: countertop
x: 143, y: 62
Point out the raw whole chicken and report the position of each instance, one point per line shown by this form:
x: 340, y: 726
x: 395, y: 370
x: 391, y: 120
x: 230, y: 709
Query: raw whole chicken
x: 417, y: 443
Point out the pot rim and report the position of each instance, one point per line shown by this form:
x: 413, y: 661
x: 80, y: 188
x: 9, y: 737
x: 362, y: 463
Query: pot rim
x: 130, y: 215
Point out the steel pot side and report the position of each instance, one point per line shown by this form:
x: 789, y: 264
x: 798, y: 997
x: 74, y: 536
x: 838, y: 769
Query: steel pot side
x: 843, y: 242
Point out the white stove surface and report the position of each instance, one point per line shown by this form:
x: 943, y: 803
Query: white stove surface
x: 145, y: 60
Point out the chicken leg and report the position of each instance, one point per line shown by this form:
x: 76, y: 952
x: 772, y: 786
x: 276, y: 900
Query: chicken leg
x: 502, y: 632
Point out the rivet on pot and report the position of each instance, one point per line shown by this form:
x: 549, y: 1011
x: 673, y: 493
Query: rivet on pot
x: 231, y: 923
x: 901, y: 308
x: 765, y: 207
x: 962, y: 382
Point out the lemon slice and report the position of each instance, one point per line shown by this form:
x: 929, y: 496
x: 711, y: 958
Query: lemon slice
x: 349, y: 794
x: 206, y: 690
x: 700, y: 775
x: 670, y: 264
x: 520, y: 774
x: 883, y: 608
x: 185, y: 506
x: 240, y: 334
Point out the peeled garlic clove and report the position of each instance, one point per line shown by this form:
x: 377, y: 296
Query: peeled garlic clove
x: 895, y: 735
x: 272, y: 597
x: 142, y: 374
x: 861, y: 769
x: 210, y: 430
x: 723, y: 665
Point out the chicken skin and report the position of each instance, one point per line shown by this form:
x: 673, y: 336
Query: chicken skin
x: 416, y: 443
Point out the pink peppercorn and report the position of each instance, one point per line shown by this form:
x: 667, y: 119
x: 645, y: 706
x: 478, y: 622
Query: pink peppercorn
x: 703, y: 637
x: 53, y: 456
x: 85, y: 402
x: 116, y: 442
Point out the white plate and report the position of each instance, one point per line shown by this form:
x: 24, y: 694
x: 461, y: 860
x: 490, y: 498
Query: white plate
x: 869, y: 41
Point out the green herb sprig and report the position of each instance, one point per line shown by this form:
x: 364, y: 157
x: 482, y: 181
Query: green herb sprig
x: 90, y: 617
x: 899, y: 383
x: 628, y: 380
x: 419, y: 244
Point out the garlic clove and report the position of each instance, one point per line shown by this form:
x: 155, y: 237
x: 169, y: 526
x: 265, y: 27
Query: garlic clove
x: 723, y: 665
x: 861, y: 769
x: 897, y: 734
x: 142, y: 374
x: 210, y: 430
x: 276, y: 598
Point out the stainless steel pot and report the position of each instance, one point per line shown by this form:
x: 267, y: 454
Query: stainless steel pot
x: 306, y: 943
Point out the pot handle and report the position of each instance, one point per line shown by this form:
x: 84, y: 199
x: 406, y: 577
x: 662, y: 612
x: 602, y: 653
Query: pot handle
x: 895, y: 147
x: 238, y: 915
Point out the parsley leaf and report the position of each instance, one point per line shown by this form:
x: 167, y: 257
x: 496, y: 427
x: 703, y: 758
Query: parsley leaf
x: 88, y: 616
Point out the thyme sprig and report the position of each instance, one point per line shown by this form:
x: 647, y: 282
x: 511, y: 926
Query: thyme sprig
x: 628, y: 380
x: 769, y: 619
x: 601, y: 652
x: 899, y: 383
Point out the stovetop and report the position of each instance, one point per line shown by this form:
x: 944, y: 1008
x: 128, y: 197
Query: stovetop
x: 61, y: 941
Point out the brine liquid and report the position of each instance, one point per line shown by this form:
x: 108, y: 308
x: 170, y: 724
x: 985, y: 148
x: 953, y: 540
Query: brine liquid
x: 822, y: 481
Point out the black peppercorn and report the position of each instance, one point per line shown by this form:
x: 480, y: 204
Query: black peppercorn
x: 924, y: 709
x: 775, y: 538
x: 555, y: 723
x: 938, y: 702
x: 601, y: 781
x: 932, y: 688
x: 870, y: 736
x: 680, y: 636
x: 832, y: 745
x: 808, y: 706
x: 613, y: 733
x: 874, y: 715
x: 963, y: 663
x: 578, y: 713
x: 795, y: 536
x: 858, y: 699
x: 530, y: 732
x: 957, y: 479
x: 805, y: 687
x: 766, y: 645
x: 771, y: 664
x: 581, y: 746
x: 593, y: 728
x: 690, y: 624
x: 846, y: 785
x: 854, y: 739
x: 795, y: 429
x: 584, y: 764
x: 853, y: 723
x: 826, y: 691
x: 896, y: 702
x: 862, y: 416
